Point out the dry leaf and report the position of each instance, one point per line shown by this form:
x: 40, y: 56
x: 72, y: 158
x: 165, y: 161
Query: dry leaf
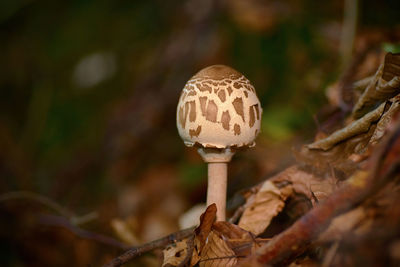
x: 175, y: 253
x: 392, y: 66
x: 306, y: 183
x: 195, y: 256
x: 238, y: 239
x: 322, y: 188
x: 385, y: 119
x: 216, y: 252
x: 206, y: 221
x: 338, y: 157
x: 384, y: 85
x: 357, y: 127
x: 361, y: 85
x: 202, y: 232
x: 265, y: 205
x: 291, y: 180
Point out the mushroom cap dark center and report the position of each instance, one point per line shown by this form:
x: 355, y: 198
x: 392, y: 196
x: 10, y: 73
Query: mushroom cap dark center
x: 218, y: 72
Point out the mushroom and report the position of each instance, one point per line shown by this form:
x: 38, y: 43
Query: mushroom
x: 218, y: 113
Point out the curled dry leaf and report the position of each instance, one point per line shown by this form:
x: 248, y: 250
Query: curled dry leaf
x: 385, y: 119
x: 263, y: 207
x: 322, y: 188
x: 175, y: 253
x: 222, y: 245
x: 206, y: 221
x: 269, y: 200
x: 216, y: 252
x: 361, y: 85
x: 359, y: 126
x: 306, y: 183
x: 202, y: 232
x: 238, y: 239
x: 340, y: 157
x: 384, y: 85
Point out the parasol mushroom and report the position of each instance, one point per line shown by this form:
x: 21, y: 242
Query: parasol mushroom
x: 218, y: 113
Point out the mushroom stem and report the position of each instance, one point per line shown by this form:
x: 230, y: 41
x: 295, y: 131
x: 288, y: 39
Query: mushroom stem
x: 217, y: 183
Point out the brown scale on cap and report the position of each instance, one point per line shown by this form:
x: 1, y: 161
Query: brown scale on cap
x: 238, y: 105
x: 218, y: 108
x: 195, y: 132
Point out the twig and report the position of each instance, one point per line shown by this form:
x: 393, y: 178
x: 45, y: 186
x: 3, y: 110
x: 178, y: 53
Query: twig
x: 137, y: 251
x: 295, y: 239
x: 48, y: 202
x: 38, y: 198
x: 64, y: 222
x: 67, y: 219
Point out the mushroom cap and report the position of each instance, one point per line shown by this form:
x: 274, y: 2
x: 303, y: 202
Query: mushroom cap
x: 218, y: 108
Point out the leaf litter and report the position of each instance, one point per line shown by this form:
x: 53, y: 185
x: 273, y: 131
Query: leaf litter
x: 335, y: 174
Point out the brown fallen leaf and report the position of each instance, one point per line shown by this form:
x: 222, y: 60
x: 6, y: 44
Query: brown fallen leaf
x: 322, y: 188
x: 340, y: 158
x: 362, y: 84
x: 263, y: 207
x: 306, y: 183
x: 359, y: 126
x: 216, y: 252
x: 238, y: 239
x: 385, y: 119
x: 206, y: 221
x: 202, y: 232
x: 384, y: 85
x: 175, y: 253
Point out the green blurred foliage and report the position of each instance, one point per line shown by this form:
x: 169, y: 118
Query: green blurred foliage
x: 192, y: 174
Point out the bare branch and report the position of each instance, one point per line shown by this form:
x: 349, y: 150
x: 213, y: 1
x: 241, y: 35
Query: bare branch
x: 49, y: 203
x: 64, y: 222
x: 137, y: 251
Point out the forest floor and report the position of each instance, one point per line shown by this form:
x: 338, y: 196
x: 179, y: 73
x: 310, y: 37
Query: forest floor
x: 336, y: 206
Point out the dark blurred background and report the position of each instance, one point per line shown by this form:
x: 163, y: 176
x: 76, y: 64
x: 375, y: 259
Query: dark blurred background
x: 89, y: 149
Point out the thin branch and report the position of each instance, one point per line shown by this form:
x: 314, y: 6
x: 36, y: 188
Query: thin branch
x: 51, y: 204
x: 65, y: 223
x: 137, y: 251
x: 67, y: 219
x: 45, y: 201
